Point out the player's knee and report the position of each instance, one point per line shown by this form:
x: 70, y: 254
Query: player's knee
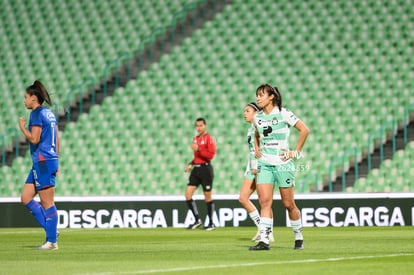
x: 289, y: 205
x: 265, y: 203
x: 243, y: 200
x: 24, y: 199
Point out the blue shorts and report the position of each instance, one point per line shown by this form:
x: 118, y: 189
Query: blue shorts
x: 43, y: 174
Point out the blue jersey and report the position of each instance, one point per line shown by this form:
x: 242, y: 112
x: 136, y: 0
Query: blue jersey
x: 46, y: 148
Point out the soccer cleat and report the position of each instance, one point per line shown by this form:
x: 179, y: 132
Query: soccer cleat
x: 260, y: 246
x: 210, y: 227
x: 49, y: 246
x: 271, y: 237
x: 57, y: 237
x: 298, y: 245
x: 195, y: 225
x: 256, y: 237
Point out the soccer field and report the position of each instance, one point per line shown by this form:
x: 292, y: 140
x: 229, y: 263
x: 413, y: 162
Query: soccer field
x: 350, y: 250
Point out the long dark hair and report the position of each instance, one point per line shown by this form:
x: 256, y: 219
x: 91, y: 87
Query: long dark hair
x: 39, y: 90
x: 269, y: 89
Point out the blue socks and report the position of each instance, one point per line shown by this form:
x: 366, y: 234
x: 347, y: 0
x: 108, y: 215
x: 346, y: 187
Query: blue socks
x: 51, y: 216
x: 48, y: 219
x: 37, y: 211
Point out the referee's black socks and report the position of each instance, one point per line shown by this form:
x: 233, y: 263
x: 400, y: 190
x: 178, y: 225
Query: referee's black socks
x: 193, y: 207
x: 210, y: 211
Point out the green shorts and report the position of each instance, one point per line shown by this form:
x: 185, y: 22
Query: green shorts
x: 279, y: 175
x: 248, y: 174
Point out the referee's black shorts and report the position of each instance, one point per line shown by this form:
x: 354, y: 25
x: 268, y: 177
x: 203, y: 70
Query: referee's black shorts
x: 202, y: 174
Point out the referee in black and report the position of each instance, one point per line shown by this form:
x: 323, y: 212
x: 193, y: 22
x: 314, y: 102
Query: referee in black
x: 202, y: 173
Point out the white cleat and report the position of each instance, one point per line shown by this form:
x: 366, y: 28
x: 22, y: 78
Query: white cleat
x: 256, y: 237
x: 49, y: 246
x: 271, y: 237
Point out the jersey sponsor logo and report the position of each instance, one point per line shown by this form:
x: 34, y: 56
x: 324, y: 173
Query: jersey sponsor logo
x: 264, y: 123
x: 267, y: 130
x: 270, y: 143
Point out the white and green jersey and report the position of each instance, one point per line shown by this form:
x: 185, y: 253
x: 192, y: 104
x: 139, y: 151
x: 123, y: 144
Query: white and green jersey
x: 252, y: 162
x: 274, y: 130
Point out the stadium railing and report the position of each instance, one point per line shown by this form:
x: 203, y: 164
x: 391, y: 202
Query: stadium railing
x: 406, y: 119
x: 380, y: 133
x: 342, y: 160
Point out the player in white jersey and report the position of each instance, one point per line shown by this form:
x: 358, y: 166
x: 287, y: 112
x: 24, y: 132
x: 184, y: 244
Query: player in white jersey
x: 249, y: 181
x: 275, y: 164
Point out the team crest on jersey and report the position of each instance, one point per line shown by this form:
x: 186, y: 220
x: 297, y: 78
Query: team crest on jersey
x: 50, y: 116
x: 265, y: 123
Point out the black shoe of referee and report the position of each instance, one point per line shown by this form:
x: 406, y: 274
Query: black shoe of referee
x: 210, y: 227
x: 195, y: 225
x: 260, y: 246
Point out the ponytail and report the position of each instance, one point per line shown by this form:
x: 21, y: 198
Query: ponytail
x: 278, y: 97
x: 39, y: 90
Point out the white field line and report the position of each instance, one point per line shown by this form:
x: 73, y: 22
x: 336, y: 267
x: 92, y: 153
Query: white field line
x: 253, y: 264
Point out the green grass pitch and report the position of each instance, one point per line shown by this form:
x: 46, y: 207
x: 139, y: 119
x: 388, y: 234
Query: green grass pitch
x: 350, y: 250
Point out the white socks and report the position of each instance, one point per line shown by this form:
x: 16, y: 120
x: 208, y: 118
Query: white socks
x: 254, y: 215
x: 265, y: 227
x: 297, y: 229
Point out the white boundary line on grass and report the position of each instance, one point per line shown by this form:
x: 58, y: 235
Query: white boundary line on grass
x: 253, y: 264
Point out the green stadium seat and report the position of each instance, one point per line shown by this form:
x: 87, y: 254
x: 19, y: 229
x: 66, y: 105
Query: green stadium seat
x: 330, y: 83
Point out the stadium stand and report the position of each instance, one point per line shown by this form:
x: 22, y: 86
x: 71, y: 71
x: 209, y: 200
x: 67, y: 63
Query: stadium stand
x: 393, y: 175
x: 342, y: 66
x: 62, y: 43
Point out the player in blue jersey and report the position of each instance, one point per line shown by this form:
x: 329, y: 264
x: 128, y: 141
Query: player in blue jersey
x: 43, y: 137
x: 249, y: 181
x: 275, y: 161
